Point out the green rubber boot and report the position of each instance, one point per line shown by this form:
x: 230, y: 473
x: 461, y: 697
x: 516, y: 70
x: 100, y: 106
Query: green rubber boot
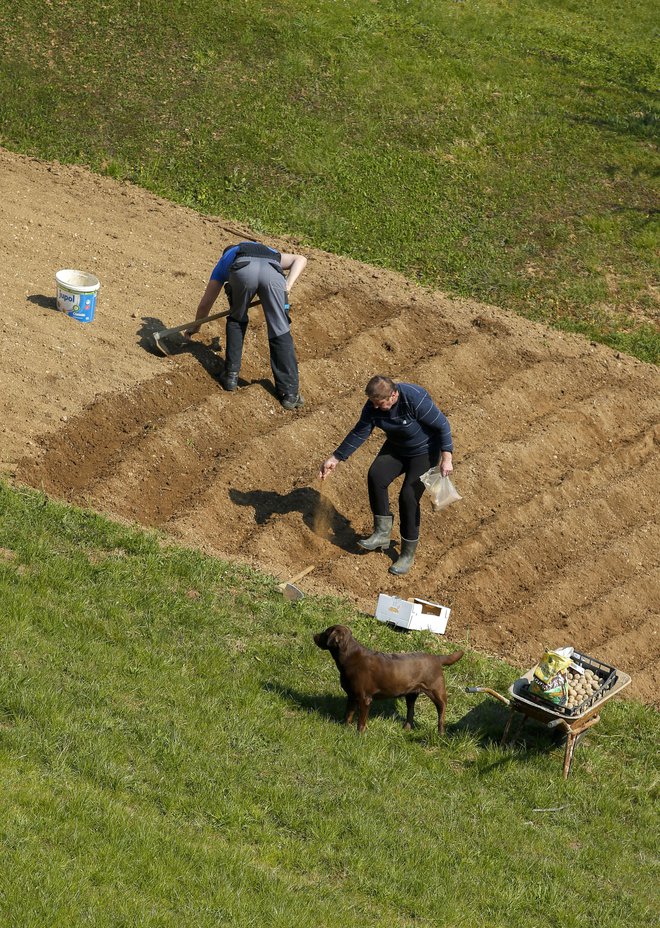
x: 381, y: 536
x: 405, y: 562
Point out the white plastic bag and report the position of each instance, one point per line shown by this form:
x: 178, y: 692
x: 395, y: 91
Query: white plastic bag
x: 441, y: 489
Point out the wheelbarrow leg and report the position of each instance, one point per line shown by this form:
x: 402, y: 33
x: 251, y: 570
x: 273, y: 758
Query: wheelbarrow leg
x: 507, y: 727
x: 572, y: 738
x: 505, y: 734
x: 571, y: 741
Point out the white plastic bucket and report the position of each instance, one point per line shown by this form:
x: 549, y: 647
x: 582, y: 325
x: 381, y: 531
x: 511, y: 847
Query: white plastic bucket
x: 76, y: 294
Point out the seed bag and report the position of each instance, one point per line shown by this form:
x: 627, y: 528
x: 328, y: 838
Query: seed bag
x: 441, y: 489
x: 550, y: 679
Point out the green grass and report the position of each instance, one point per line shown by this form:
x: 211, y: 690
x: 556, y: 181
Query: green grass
x: 171, y: 754
x: 499, y: 149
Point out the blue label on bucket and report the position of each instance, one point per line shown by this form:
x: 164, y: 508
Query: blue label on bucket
x: 83, y: 308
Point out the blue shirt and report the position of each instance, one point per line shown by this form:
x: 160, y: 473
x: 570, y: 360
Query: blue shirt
x: 221, y: 271
x: 414, y: 425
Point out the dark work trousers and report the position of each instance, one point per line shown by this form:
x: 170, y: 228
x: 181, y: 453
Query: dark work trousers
x: 387, y: 466
x: 262, y: 277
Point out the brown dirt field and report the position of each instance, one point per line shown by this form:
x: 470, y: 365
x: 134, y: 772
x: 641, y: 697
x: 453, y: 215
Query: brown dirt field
x: 555, y: 541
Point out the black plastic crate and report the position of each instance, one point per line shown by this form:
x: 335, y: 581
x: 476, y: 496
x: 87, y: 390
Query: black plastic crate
x: 603, y: 671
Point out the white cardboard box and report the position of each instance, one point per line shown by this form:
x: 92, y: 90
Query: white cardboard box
x: 418, y: 614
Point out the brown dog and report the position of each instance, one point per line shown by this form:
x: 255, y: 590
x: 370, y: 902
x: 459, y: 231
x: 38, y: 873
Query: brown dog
x: 366, y: 675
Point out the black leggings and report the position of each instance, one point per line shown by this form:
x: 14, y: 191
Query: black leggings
x: 387, y: 466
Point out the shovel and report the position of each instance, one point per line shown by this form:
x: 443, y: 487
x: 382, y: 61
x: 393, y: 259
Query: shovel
x: 289, y: 590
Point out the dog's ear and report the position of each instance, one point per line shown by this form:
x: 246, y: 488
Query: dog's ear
x: 338, y: 635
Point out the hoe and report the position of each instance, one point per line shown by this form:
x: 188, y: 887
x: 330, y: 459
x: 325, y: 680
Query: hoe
x: 165, y: 333
x: 289, y: 589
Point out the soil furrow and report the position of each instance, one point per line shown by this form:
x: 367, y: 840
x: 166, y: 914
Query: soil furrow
x: 554, y: 541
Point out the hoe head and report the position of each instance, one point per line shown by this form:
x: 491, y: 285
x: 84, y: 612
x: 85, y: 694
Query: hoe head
x: 289, y: 589
x: 292, y: 592
x: 160, y: 344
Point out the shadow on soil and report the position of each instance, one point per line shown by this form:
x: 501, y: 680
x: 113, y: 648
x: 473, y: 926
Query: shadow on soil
x: 46, y: 302
x: 335, y: 527
x: 178, y: 345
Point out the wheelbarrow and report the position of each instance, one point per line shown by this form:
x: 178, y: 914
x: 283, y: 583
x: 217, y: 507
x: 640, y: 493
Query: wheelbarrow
x: 572, y: 722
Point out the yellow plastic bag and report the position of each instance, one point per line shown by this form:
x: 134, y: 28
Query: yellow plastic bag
x: 550, y: 680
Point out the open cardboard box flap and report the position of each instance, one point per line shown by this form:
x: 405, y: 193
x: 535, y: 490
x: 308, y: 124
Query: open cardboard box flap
x: 418, y: 614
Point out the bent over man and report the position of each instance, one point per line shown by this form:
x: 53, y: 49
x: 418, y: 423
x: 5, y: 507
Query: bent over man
x: 417, y: 436
x: 251, y: 269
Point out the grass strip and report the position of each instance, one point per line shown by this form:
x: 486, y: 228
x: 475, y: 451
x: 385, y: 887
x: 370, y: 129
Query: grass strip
x: 171, y: 753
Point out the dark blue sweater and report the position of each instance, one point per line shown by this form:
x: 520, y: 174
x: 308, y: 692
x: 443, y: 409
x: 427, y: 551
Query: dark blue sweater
x: 414, y: 425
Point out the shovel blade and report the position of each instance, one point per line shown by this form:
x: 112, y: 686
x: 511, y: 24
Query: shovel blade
x: 292, y: 593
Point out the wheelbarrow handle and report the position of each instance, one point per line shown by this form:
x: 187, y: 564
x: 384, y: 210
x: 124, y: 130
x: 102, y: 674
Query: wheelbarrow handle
x: 486, y: 689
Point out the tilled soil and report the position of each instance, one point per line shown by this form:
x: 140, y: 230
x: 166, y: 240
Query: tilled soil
x: 555, y: 541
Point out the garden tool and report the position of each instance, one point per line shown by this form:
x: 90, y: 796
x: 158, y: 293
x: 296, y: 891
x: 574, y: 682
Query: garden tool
x: 289, y: 589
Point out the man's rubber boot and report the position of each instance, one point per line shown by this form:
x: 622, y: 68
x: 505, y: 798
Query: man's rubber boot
x: 381, y: 536
x: 292, y: 401
x: 405, y: 562
x: 229, y: 381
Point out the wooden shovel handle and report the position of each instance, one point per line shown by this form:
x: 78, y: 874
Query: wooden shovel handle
x: 303, y: 573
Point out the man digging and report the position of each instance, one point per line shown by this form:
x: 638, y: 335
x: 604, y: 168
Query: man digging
x: 251, y: 269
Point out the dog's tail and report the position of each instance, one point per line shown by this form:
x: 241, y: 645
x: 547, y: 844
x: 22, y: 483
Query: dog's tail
x: 448, y: 659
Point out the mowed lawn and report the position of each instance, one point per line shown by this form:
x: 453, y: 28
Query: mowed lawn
x: 499, y: 149
x: 172, y: 753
